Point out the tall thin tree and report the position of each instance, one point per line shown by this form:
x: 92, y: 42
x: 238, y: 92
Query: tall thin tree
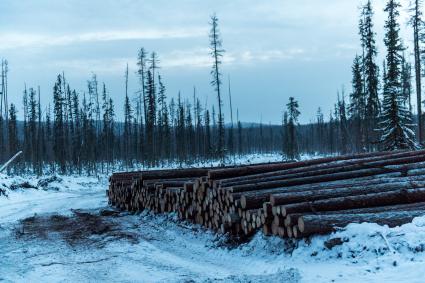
x: 418, y: 28
x: 216, y: 52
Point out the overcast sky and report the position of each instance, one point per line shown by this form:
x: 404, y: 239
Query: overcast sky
x: 274, y: 48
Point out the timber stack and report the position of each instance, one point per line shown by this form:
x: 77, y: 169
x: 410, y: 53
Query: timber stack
x: 287, y: 199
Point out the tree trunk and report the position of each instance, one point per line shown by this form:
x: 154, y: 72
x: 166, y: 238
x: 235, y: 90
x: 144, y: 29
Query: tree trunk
x: 318, y: 169
x: 402, y: 196
x: 287, y: 198
x: 370, y: 169
x: 263, y: 168
x: 292, y: 219
x: 349, y: 183
x: 322, y: 224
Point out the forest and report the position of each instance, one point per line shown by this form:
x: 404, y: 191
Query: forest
x: 81, y: 133
x: 212, y: 141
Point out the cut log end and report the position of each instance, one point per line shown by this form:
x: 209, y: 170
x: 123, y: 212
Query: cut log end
x: 243, y: 202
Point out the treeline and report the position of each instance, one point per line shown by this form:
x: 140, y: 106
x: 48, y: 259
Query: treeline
x: 79, y: 132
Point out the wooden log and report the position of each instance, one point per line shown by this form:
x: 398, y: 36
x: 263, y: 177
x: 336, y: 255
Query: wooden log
x: 267, y: 230
x: 256, y: 169
x: 153, y: 181
x: 322, y: 224
x: 289, y: 232
x: 402, y: 196
x: 294, y: 197
x: 259, y: 196
x: 174, y: 173
x: 267, y: 208
x: 320, y: 169
x: 281, y: 231
x: 124, y: 175
x: 295, y: 232
x: 170, y: 184
x: 292, y: 219
x: 324, y: 178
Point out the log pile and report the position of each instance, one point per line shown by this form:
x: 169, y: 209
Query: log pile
x: 287, y: 199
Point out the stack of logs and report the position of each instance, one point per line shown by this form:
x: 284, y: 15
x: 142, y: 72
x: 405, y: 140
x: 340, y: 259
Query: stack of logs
x: 294, y: 200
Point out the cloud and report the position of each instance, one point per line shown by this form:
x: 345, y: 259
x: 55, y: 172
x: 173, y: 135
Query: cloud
x: 200, y: 57
x: 19, y: 40
x: 192, y: 58
x: 270, y: 55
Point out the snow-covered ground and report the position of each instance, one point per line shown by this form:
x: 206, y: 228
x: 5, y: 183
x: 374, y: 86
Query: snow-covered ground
x: 64, y: 231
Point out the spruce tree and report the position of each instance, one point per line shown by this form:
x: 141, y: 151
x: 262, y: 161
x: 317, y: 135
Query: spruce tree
x: 106, y: 128
x: 357, y: 106
x: 26, y: 143
x: 320, y: 129
x: 331, y: 133
x: 141, y: 62
x: 285, y: 135
x: 173, y: 123
x: 396, y: 124
x: 142, y: 101
x: 48, y: 137
x: 13, y: 130
x: 406, y: 83
x: 216, y: 52
x: 190, y: 133
x: 58, y: 126
x: 163, y: 120
x: 111, y: 120
x: 293, y: 114
x: 76, y: 138
x: 240, y: 139
x: 150, y: 117
x: 208, y: 145
x: 41, y: 142
x: 128, y: 117
x: 198, y: 127
x: 181, y: 130
x: 418, y: 25
x: 370, y: 75
x: 32, y: 128
x: 343, y: 124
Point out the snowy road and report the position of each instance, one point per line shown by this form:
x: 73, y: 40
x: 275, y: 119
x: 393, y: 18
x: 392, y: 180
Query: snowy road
x: 66, y: 236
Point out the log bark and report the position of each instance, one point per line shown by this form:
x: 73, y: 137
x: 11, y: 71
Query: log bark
x: 401, y: 169
x: 295, y: 197
x: 256, y: 169
x: 153, y: 181
x: 327, y: 168
x: 174, y: 173
x: 292, y: 219
x: 322, y: 224
x: 258, y: 196
x: 402, y: 196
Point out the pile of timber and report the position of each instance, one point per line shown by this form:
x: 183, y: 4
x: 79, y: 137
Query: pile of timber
x: 288, y: 199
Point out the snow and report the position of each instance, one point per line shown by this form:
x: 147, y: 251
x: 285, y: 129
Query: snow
x: 149, y: 248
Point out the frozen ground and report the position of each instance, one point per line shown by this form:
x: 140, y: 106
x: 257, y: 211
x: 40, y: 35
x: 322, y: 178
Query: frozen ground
x: 64, y: 232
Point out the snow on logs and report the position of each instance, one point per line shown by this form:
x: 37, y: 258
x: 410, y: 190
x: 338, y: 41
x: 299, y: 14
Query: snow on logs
x: 286, y: 199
